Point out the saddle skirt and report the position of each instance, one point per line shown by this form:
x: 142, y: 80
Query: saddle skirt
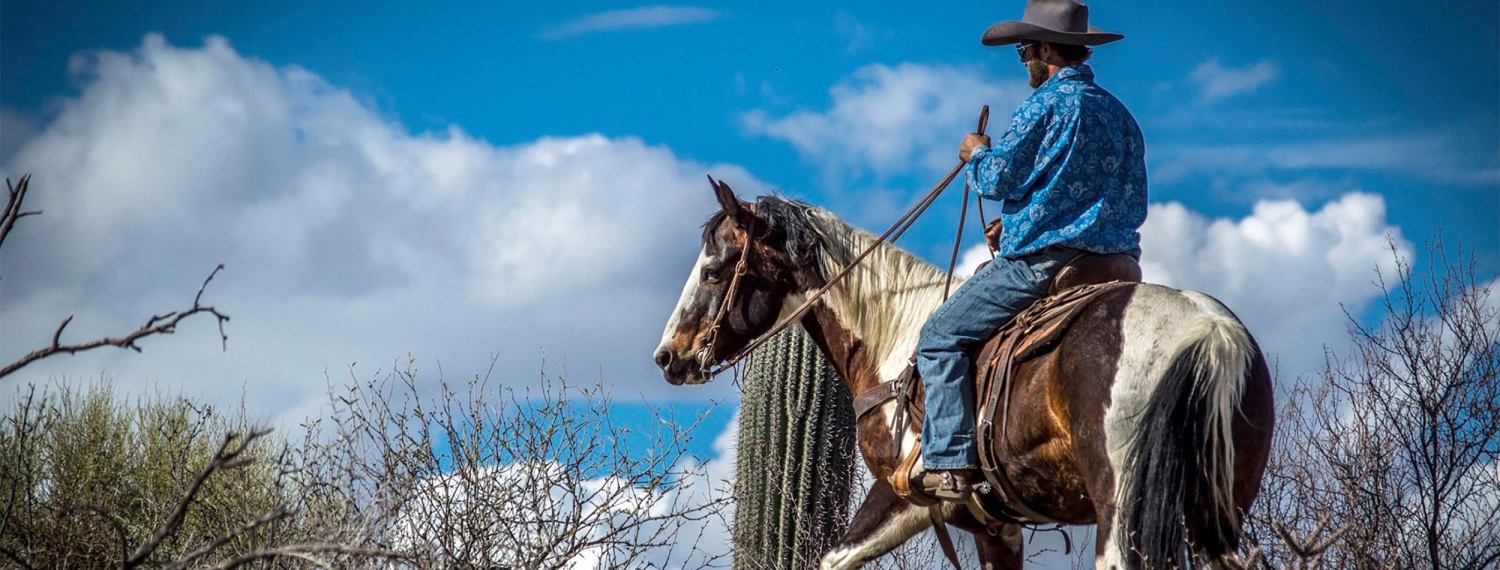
x: 1034, y: 332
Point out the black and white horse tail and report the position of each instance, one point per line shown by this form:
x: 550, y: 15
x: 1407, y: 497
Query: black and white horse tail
x: 1178, y: 507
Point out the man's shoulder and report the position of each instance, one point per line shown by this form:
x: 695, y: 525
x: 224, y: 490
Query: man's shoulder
x: 1078, y: 96
x: 1097, y: 100
x: 1096, y: 94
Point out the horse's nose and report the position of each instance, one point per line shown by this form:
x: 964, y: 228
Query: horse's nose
x: 664, y: 358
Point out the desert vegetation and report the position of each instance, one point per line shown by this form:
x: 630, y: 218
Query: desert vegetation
x: 796, y: 461
x: 479, y: 475
x: 1393, y: 447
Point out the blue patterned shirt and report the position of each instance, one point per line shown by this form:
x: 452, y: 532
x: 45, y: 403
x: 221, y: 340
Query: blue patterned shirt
x: 1071, y: 171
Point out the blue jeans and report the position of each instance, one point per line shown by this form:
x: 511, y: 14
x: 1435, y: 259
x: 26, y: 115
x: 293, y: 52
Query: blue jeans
x: 980, y: 306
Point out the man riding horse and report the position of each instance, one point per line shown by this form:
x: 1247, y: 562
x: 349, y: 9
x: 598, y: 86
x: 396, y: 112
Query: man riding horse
x: 1071, y: 177
x: 1140, y: 408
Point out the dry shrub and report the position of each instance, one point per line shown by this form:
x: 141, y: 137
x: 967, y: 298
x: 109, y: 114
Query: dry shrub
x: 1396, y: 442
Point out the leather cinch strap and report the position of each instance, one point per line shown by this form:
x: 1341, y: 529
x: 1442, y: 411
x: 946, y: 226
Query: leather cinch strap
x: 940, y: 528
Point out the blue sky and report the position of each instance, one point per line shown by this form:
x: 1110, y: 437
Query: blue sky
x: 459, y: 180
x: 1416, y: 81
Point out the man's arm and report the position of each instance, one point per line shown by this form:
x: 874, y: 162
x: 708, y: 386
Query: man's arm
x: 999, y: 172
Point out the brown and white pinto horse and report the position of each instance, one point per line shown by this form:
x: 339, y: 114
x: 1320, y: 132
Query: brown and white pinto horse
x: 1152, y: 417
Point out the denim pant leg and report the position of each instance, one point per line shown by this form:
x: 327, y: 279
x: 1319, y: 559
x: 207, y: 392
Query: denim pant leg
x: 989, y: 299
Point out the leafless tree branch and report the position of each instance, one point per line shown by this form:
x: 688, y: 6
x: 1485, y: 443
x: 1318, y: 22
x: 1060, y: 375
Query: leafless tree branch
x: 1307, y: 552
x: 185, y: 560
x: 309, y: 553
x: 157, y: 324
x: 16, y: 559
x: 485, y: 475
x: 16, y: 194
x: 1396, y: 442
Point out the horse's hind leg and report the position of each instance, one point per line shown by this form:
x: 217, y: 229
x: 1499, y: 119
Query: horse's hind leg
x: 882, y: 523
x: 1000, y: 552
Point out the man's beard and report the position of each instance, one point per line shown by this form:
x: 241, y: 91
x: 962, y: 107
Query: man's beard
x: 1038, y: 70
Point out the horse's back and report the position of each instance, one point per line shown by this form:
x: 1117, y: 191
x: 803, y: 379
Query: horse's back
x: 1122, y: 345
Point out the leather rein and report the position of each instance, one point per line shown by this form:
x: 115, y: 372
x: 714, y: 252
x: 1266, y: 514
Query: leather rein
x: 890, y: 236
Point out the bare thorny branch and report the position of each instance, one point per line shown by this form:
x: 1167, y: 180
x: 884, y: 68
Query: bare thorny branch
x: 1307, y: 552
x: 16, y: 194
x: 1397, y: 440
x: 226, y: 457
x: 231, y: 455
x: 157, y: 325
x: 522, y: 478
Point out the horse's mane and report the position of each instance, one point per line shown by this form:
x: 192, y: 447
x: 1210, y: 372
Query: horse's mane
x: 810, y: 232
x: 813, y: 234
x: 791, y: 220
x: 886, y: 299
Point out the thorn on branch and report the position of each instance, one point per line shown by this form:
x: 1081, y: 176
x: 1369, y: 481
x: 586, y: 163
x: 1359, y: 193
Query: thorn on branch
x: 16, y: 194
x: 58, y: 335
x: 1309, y: 550
x: 1236, y: 562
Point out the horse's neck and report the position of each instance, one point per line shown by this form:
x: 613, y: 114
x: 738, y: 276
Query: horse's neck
x: 878, y: 309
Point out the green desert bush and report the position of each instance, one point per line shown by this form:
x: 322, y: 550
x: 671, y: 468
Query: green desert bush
x: 93, y: 480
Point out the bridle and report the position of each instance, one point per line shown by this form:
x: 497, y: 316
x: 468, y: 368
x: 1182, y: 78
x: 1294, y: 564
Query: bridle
x: 890, y: 236
x: 740, y: 268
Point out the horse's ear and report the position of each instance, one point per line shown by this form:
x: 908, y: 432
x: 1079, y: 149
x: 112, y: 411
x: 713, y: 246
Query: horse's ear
x: 727, y: 200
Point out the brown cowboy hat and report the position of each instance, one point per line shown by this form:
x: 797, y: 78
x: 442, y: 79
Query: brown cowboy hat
x: 1052, y: 21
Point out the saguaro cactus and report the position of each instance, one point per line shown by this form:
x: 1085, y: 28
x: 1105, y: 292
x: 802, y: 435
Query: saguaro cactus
x: 796, y: 457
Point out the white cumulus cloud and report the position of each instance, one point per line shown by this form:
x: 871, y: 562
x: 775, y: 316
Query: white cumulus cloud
x: 1288, y: 272
x: 893, y: 120
x: 346, y: 237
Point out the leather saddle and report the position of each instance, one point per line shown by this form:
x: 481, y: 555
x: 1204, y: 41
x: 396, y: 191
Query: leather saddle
x: 1033, y: 333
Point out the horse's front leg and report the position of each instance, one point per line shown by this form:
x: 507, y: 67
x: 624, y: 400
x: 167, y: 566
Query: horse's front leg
x: 882, y: 523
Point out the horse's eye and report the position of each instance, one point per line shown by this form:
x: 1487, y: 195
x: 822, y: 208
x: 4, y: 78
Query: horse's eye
x: 710, y: 275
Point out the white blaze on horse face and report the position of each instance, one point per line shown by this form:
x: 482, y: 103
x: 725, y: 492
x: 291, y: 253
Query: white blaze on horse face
x: 689, y: 291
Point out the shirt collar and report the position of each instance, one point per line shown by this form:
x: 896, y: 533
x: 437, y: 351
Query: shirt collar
x: 1079, y: 71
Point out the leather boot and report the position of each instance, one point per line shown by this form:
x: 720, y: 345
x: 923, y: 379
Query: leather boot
x: 948, y: 484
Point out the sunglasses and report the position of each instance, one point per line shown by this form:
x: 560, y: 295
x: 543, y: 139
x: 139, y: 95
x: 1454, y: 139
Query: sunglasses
x: 1021, y: 49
